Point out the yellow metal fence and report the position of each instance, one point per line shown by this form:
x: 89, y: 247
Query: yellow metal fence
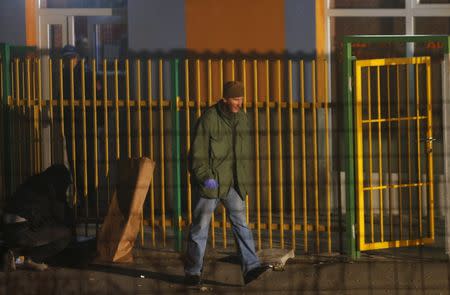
x: 92, y: 113
x: 394, y: 152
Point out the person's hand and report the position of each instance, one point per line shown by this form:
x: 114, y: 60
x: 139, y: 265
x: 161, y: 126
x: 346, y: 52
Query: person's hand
x: 211, y: 183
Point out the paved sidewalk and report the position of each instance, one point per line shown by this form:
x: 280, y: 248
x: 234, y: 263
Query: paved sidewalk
x: 411, y: 271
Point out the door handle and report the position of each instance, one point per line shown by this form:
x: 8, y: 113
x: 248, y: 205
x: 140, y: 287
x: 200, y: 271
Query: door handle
x: 428, y: 139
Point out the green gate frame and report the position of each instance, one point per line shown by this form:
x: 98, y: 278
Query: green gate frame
x: 351, y: 247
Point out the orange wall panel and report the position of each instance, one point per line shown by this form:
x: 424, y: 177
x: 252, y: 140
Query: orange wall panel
x: 235, y: 25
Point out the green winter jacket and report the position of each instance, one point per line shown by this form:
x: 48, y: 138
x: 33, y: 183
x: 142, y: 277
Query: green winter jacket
x: 212, y: 156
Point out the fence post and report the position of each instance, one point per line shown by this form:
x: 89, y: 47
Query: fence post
x: 5, y: 53
x: 349, y: 159
x: 176, y: 153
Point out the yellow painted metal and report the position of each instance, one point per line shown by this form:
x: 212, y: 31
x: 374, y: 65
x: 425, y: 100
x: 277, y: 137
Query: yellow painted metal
x: 83, y: 116
x: 315, y: 159
x: 224, y: 210
x: 151, y: 145
x: 29, y: 112
x: 127, y: 103
x: 280, y: 155
x: 188, y: 138
x: 380, y: 157
x: 198, y: 98
x: 269, y: 164
x: 139, y: 129
x: 399, y: 149
x: 72, y: 120
x: 209, y: 102
x: 38, y: 123
x: 429, y: 147
x: 244, y: 82
x: 106, y: 126
x: 61, y: 102
x: 408, y: 144
x: 418, y: 142
x: 291, y: 155
x: 257, y: 163
x: 327, y: 157
x: 95, y: 137
x: 233, y: 76
x: 50, y: 99
x: 303, y: 140
x: 162, y: 151
x: 417, y: 185
x: 369, y: 106
x: 139, y: 112
x: 116, y: 96
x: 389, y: 153
x: 359, y: 153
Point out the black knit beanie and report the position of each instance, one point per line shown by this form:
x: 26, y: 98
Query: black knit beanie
x: 233, y: 89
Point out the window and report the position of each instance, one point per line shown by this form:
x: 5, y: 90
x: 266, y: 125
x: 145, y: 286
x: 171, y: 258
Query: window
x: 367, y: 4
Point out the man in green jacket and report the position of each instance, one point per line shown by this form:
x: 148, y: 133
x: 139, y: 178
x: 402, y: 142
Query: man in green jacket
x: 220, y: 170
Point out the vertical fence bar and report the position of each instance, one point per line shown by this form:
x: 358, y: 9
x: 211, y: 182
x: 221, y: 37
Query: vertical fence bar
x: 389, y: 149
x: 5, y: 54
x: 380, y: 157
x: 95, y: 140
x: 257, y: 163
x: 139, y: 130
x: 116, y: 97
x: 327, y: 156
x: 209, y: 102
x: 106, y: 127
x: 399, y: 150
x: 127, y: 104
x: 315, y: 156
x: 188, y: 138
x: 84, y: 132
x: 233, y: 74
x: 369, y: 105
x: 39, y: 115
x: 269, y: 164
x: 161, y: 145
x: 51, y: 116
x: 72, y: 120
x: 151, y: 146
x: 291, y: 155
x: 26, y: 76
x: 61, y: 115
x: 198, y: 98
x: 303, y: 140
x: 359, y: 152
x: 280, y: 154
x: 408, y: 121
x: 349, y: 155
x: 429, y: 147
x: 224, y: 210
x: 244, y: 82
x: 418, y: 142
x: 19, y: 131
x: 176, y: 150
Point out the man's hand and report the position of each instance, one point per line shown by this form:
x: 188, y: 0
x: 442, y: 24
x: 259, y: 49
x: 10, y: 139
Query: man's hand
x: 211, y: 183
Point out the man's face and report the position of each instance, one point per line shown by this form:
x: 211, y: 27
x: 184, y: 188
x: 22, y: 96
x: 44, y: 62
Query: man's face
x: 234, y: 104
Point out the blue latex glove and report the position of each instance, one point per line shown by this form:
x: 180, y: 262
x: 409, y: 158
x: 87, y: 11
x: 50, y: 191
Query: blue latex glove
x: 211, y: 183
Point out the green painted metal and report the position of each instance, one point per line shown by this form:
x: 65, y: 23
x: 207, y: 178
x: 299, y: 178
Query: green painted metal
x: 351, y: 246
x: 5, y: 53
x: 176, y: 153
x: 350, y: 163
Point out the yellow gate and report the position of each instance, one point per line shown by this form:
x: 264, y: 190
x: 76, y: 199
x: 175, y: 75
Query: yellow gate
x: 394, y: 152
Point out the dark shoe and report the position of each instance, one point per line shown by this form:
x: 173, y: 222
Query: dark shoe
x: 255, y: 273
x: 192, y: 280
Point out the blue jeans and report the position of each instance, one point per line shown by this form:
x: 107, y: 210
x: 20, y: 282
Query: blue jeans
x: 198, y: 233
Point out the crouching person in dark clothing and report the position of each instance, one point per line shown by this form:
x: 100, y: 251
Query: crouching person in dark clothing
x: 38, y: 223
